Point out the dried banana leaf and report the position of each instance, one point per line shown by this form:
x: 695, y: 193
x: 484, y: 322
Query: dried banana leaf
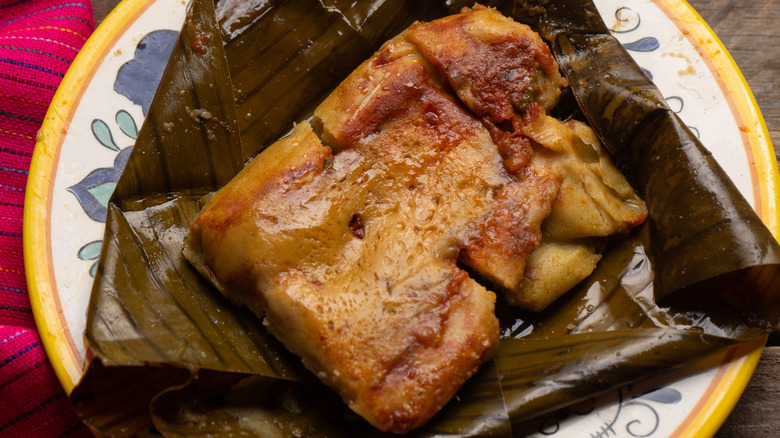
x: 209, y: 368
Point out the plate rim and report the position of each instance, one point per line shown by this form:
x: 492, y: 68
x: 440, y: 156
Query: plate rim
x: 705, y: 420
x: 733, y: 83
x: 38, y: 192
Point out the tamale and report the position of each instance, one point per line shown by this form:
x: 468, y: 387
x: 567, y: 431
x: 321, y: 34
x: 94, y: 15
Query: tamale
x: 351, y: 256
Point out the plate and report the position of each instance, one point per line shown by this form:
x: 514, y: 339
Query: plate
x: 94, y: 119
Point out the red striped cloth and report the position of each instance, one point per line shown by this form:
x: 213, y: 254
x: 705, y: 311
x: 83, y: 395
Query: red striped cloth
x: 38, y: 41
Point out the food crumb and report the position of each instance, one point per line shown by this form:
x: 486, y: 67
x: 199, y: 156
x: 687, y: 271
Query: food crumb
x: 688, y: 71
x: 199, y: 114
x: 199, y: 41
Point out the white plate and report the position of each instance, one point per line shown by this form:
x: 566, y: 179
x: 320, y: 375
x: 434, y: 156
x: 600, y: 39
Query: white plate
x: 101, y: 103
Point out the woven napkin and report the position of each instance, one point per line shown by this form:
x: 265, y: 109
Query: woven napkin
x: 38, y: 41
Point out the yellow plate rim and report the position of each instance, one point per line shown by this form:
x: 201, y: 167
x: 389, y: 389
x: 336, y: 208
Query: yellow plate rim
x: 37, y: 203
x: 708, y: 416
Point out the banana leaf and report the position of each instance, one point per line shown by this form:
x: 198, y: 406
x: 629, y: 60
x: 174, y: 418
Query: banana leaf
x: 168, y: 351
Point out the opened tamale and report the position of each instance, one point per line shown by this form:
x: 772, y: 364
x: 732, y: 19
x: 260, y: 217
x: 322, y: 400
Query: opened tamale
x: 170, y: 318
x: 349, y: 251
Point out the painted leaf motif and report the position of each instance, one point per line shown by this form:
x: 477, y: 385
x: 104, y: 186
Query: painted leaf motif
x: 102, y: 133
x: 667, y: 396
x: 94, y: 191
x: 90, y: 251
x: 647, y: 44
x: 127, y: 124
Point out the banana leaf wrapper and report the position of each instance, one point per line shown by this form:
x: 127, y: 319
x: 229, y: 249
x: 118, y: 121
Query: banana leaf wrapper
x: 168, y: 351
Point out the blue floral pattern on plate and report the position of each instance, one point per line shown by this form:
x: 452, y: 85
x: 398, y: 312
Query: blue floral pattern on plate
x: 147, y: 66
x: 132, y: 81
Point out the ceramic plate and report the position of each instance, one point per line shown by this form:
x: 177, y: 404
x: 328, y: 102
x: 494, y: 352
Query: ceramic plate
x: 94, y: 120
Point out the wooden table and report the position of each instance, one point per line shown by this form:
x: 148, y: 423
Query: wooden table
x: 749, y: 29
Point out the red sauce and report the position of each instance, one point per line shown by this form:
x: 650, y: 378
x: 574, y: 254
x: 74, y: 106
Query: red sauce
x: 514, y: 148
x: 397, y: 94
x: 495, y: 75
x: 200, y: 40
x: 409, y: 97
x: 507, y: 69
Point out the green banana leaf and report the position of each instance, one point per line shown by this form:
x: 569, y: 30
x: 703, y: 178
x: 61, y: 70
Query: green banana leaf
x: 169, y: 352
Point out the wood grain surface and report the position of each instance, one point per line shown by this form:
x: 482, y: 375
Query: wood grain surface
x: 750, y: 31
